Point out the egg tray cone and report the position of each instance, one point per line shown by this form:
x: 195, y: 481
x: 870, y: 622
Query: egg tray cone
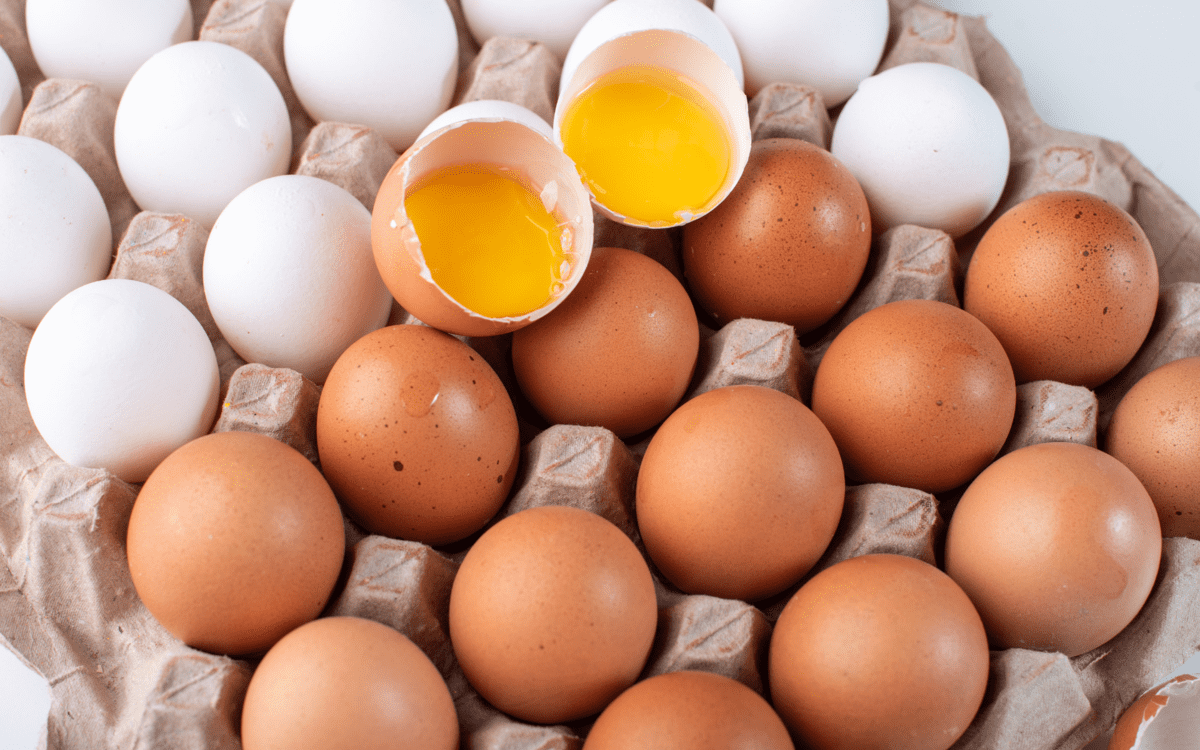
x: 118, y: 679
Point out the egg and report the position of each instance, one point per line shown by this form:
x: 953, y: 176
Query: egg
x: 916, y: 393
x: 830, y: 45
x: 618, y: 353
x: 55, y: 235
x: 1155, y: 431
x: 552, y: 614
x: 483, y: 226
x: 739, y: 493
x: 928, y: 145
x: 1069, y: 284
x: 118, y: 375
x: 343, y: 683
x: 289, y: 275
x: 554, y: 23
x: 103, y: 42
x: 1058, y: 546
x: 11, y: 103
x: 688, y: 710
x: 234, y: 541
x: 417, y: 435
x: 789, y: 244
x: 390, y: 66
x: 651, y: 110
x: 878, y: 651
x: 199, y: 122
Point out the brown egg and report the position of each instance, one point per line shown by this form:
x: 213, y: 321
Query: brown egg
x: 235, y: 539
x: 345, y: 683
x: 878, y: 651
x: 1068, y: 282
x: 916, y: 393
x: 739, y: 493
x: 1057, y: 544
x: 618, y: 352
x: 688, y: 711
x: 417, y: 435
x: 552, y: 614
x: 1155, y: 431
x: 789, y: 244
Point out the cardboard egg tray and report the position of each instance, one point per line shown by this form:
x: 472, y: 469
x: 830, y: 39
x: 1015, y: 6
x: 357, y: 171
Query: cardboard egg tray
x: 69, y: 609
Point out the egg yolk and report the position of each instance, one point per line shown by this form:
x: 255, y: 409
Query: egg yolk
x: 488, y: 240
x: 649, y: 145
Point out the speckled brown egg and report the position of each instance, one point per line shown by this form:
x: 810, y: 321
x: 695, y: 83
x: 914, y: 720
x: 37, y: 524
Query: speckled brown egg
x: 346, y: 683
x: 1068, y: 282
x: 235, y: 539
x: 417, y: 435
x: 916, y: 393
x: 688, y: 710
x: 552, y: 614
x: 1057, y: 544
x: 739, y: 493
x: 789, y: 244
x: 618, y: 352
x: 1155, y: 431
x: 878, y: 651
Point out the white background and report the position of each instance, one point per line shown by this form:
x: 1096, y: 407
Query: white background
x: 1127, y: 71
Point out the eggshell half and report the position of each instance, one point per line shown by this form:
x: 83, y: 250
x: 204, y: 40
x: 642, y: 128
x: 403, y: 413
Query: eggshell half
x: 507, y: 136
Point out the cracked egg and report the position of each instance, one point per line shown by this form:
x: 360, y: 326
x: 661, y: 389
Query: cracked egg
x: 483, y: 225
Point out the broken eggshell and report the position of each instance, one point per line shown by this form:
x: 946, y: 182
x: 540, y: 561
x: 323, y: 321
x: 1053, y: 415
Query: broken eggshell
x: 1164, y: 717
x: 492, y: 133
x: 680, y: 36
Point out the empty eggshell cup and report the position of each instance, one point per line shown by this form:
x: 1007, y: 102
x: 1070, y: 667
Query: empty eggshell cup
x: 498, y: 138
x: 653, y: 49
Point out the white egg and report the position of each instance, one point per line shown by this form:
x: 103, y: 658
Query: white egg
x: 55, y: 233
x: 928, y: 145
x: 103, y: 42
x: 199, y: 123
x: 11, y: 103
x: 554, y: 23
x: 830, y: 45
x: 390, y: 65
x: 290, y: 277
x: 119, y: 374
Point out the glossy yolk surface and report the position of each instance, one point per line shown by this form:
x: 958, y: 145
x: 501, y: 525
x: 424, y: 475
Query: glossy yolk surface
x: 488, y: 240
x: 648, y: 144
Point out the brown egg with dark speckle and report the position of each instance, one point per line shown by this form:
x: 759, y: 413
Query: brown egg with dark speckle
x: 417, y: 435
x: 1155, y: 431
x: 617, y: 353
x: 1069, y: 284
x: 789, y: 244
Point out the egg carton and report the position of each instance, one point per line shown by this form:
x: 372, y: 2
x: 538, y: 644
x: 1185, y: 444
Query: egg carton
x: 69, y: 610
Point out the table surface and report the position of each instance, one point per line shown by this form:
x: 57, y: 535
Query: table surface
x: 1128, y: 72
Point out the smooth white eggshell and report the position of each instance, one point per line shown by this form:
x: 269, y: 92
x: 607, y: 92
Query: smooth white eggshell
x: 119, y: 374
x: 622, y: 17
x: 289, y: 274
x: 11, y: 103
x: 387, y: 64
x: 104, y: 42
x: 55, y: 233
x: 928, y: 145
x: 200, y: 122
x: 830, y: 45
x: 554, y: 23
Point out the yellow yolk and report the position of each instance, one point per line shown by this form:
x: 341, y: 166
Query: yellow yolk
x: 488, y: 240
x: 648, y: 144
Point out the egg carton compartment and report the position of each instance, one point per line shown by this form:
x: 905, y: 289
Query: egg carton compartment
x: 118, y: 679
